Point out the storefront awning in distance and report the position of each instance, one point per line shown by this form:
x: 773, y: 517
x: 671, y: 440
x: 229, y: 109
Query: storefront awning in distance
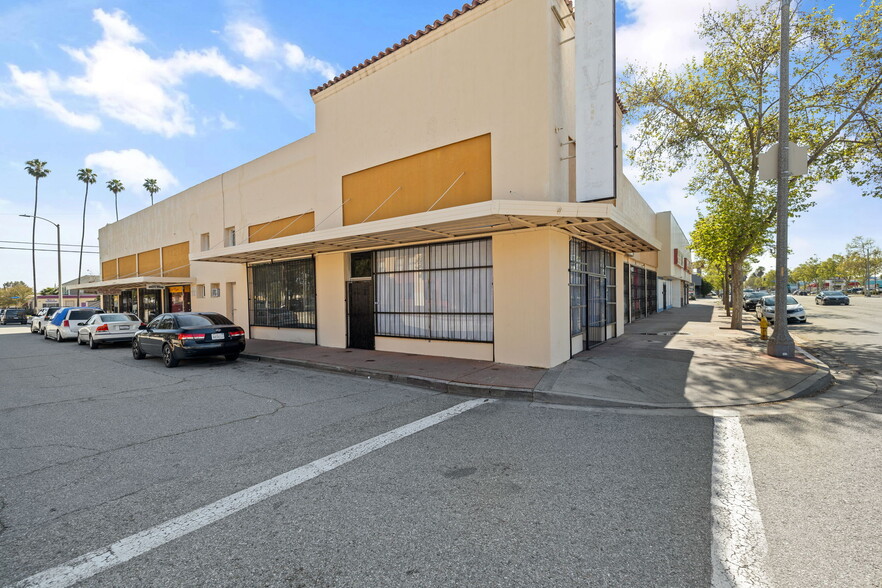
x: 118, y: 285
x: 600, y: 223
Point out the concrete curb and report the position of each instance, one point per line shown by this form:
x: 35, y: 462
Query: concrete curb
x: 812, y: 385
x: 434, y: 384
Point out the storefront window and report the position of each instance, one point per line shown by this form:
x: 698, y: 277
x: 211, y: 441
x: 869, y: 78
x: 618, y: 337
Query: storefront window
x: 148, y: 302
x: 440, y: 292
x: 178, y: 299
x: 283, y: 294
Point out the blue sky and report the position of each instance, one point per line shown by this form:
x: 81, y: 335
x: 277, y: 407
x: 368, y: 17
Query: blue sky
x: 182, y: 91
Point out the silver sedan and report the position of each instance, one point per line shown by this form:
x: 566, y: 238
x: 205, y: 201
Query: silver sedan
x: 109, y: 328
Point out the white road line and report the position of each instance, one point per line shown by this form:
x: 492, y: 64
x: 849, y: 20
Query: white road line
x: 132, y: 546
x: 738, y: 547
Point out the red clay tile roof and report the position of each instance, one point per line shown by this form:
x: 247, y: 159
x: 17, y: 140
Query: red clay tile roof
x: 411, y: 38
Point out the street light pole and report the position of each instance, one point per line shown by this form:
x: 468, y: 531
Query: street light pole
x: 781, y: 343
x: 58, y: 236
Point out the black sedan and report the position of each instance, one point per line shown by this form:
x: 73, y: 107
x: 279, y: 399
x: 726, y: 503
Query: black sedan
x: 831, y: 297
x: 182, y: 335
x: 751, y: 298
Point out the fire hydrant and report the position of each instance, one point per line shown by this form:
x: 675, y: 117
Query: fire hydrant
x: 764, y: 328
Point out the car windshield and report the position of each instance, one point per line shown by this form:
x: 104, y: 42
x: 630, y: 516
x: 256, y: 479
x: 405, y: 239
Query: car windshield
x: 14, y: 311
x: 833, y: 293
x: 202, y: 320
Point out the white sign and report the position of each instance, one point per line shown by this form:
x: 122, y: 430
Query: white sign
x: 768, y: 162
x: 595, y: 100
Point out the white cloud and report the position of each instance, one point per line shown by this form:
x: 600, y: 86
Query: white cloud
x: 256, y: 44
x: 227, y: 124
x: 297, y: 60
x: 250, y: 41
x: 131, y: 167
x: 36, y: 89
x: 662, y: 31
x: 127, y: 83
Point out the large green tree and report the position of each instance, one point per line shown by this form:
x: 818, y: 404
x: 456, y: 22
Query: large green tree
x: 15, y: 294
x: 37, y: 169
x: 717, y: 114
x: 88, y: 177
x: 867, y: 258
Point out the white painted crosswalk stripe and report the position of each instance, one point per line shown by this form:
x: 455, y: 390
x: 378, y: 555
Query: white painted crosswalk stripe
x: 138, y: 544
x: 739, y: 547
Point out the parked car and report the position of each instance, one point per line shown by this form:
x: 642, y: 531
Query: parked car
x: 38, y: 323
x: 751, y: 298
x: 182, y: 335
x: 832, y: 297
x: 108, y: 327
x: 765, y: 306
x: 66, y: 322
x: 13, y: 315
x: 856, y: 290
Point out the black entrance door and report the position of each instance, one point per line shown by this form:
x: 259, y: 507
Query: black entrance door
x: 361, y: 314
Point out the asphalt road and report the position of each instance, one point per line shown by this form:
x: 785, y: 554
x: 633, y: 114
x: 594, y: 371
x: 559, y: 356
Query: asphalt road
x: 96, y: 447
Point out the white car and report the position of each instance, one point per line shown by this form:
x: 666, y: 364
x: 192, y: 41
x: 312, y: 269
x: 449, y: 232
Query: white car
x: 117, y: 327
x: 66, y: 323
x: 766, y: 307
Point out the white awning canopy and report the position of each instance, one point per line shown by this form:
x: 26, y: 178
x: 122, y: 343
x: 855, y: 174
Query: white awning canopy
x: 130, y: 283
x: 600, y: 223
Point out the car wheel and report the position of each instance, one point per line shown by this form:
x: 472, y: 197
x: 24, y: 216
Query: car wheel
x: 92, y: 343
x: 45, y: 335
x: 136, y: 350
x: 168, y: 357
x: 33, y: 330
x: 58, y: 336
x: 80, y: 340
x: 231, y: 356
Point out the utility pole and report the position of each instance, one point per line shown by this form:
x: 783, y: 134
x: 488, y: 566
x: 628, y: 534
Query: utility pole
x: 781, y: 343
x: 58, y: 236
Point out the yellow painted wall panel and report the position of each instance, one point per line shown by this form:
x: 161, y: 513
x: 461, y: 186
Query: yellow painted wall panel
x: 176, y: 260
x: 109, y: 270
x: 148, y: 263
x: 413, y: 184
x: 128, y: 266
x: 283, y: 227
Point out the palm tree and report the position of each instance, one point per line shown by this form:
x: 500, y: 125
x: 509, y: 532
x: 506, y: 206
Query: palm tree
x: 116, y: 187
x: 38, y: 170
x: 88, y: 177
x: 152, y: 187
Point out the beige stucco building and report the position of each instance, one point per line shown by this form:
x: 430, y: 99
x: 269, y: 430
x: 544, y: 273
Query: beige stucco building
x: 433, y: 211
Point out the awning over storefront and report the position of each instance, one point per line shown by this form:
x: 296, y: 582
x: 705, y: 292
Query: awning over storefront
x: 602, y: 224
x: 118, y: 285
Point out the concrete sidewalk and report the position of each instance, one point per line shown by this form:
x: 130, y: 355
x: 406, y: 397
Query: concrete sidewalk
x: 681, y: 358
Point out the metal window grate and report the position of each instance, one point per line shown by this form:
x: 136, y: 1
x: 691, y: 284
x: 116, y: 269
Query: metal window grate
x: 442, y: 292
x: 592, y: 291
x: 283, y: 294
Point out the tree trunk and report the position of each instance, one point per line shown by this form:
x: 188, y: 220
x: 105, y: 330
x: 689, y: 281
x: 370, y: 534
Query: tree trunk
x: 34, y: 242
x: 726, y: 290
x: 82, y: 238
x: 737, y: 308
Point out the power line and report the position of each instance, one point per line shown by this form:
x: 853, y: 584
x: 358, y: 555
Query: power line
x: 53, y: 244
x: 50, y: 250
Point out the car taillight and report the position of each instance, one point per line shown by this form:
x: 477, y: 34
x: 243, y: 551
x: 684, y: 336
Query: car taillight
x: 236, y: 333
x: 102, y: 328
x: 65, y: 324
x: 142, y: 326
x: 190, y: 336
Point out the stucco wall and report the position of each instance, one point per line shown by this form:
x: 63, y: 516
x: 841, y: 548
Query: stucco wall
x: 531, y: 298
